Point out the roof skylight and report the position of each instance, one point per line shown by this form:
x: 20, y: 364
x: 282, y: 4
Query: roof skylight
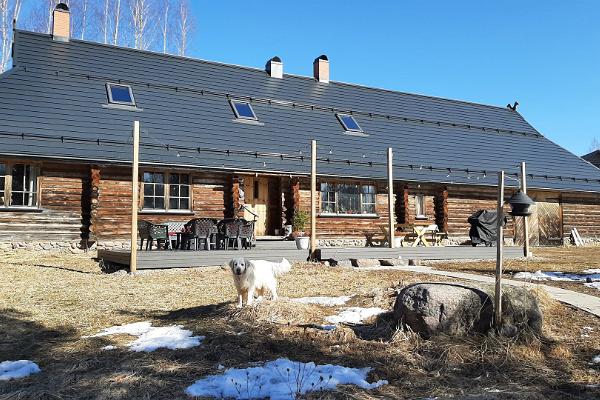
x: 243, y: 110
x: 120, y: 94
x: 349, y: 123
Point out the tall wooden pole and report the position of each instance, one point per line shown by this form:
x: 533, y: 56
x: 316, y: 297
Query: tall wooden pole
x: 525, y: 219
x: 313, y: 198
x: 391, y: 225
x: 134, y: 196
x: 499, y: 251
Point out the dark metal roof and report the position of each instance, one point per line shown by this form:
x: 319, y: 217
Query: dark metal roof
x: 54, y: 105
x: 593, y: 158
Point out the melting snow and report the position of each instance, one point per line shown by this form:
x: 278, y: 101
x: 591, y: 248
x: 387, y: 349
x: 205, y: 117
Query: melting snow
x: 281, y: 379
x: 591, y: 276
x: 17, y: 369
x: 151, y: 338
x: 323, y: 300
x: 354, y: 315
x: 596, y: 359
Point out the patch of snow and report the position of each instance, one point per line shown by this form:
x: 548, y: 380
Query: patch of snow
x: 593, y: 285
x: 326, y: 327
x: 354, y: 315
x: 596, y: 359
x: 151, y: 338
x: 323, y: 300
x: 108, y: 347
x: 17, y: 369
x: 591, y: 276
x: 281, y: 379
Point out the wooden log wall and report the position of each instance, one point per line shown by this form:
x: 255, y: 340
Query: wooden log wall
x: 581, y: 212
x: 211, y: 195
x: 463, y: 201
x: 353, y: 226
x: 64, y: 214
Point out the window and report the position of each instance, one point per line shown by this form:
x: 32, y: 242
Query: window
x: 420, y: 206
x: 243, y: 110
x: 120, y: 94
x: 166, y: 191
x: 179, y: 192
x: 349, y: 123
x: 18, y: 185
x: 347, y: 198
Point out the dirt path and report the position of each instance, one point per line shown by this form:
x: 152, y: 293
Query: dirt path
x: 579, y: 300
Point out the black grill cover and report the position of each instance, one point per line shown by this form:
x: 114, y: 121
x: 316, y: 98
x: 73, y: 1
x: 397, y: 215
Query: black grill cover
x: 483, y: 227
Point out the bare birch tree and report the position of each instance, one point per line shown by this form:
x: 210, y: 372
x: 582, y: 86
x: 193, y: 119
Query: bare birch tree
x: 140, y: 17
x: 9, y: 12
x: 80, y: 10
x: 185, y: 26
x: 165, y: 23
x: 595, y: 145
x: 104, y: 25
x: 116, y: 23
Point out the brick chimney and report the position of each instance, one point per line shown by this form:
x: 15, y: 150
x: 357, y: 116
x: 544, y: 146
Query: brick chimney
x: 321, y: 69
x: 61, y: 23
x: 274, y: 67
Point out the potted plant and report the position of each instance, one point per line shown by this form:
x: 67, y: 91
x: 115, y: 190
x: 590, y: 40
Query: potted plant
x: 298, y: 224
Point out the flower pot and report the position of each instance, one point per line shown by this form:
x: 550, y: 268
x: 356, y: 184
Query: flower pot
x: 303, y: 242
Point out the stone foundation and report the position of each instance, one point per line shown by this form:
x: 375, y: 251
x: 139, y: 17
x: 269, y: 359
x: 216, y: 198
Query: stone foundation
x: 73, y: 247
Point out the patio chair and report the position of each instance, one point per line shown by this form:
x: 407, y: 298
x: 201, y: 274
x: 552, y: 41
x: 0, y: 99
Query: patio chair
x: 202, y: 230
x: 175, y: 228
x: 247, y: 234
x: 144, y: 233
x: 231, y: 233
x: 159, y: 233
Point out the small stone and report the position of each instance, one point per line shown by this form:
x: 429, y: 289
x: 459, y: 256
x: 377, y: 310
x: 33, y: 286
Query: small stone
x: 414, y: 262
x: 364, y: 262
x: 344, y: 263
x: 392, y: 262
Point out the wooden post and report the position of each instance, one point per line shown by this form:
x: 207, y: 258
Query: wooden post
x: 313, y: 198
x: 525, y: 219
x: 134, y: 196
x: 391, y: 225
x: 499, y: 251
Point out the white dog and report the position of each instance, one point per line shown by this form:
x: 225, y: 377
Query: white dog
x: 254, y: 276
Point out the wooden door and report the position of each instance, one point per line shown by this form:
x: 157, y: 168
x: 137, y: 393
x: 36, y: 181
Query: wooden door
x: 549, y: 223
x: 257, y: 200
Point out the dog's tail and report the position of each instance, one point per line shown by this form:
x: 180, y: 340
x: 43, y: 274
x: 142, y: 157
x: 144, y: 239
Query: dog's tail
x: 281, y: 268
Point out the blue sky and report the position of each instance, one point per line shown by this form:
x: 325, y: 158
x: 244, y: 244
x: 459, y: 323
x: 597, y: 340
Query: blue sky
x: 545, y: 54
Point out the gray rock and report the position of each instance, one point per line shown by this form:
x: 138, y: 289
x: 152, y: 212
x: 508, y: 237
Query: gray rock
x: 344, y: 263
x: 392, y: 262
x: 364, y: 262
x: 429, y: 308
x: 413, y: 261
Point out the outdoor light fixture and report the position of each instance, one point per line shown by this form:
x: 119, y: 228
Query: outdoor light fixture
x: 520, y: 204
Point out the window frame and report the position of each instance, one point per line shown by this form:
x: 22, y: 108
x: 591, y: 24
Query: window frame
x: 122, y: 103
x: 340, y: 117
x: 233, y: 102
x: 336, y: 198
x: 8, y: 185
x: 420, y: 198
x: 167, y: 193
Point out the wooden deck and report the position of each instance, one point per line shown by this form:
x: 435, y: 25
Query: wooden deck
x: 275, y: 250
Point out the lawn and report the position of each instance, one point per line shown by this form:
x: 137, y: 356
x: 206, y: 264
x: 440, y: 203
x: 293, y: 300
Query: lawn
x: 547, y: 259
x: 50, y: 300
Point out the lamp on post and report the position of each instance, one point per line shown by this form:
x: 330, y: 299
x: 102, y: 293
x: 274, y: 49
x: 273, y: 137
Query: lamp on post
x: 520, y: 205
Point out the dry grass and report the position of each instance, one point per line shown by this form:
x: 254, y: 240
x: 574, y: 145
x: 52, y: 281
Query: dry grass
x: 560, y: 259
x: 49, y: 301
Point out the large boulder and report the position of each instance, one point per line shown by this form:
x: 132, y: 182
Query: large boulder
x: 429, y: 308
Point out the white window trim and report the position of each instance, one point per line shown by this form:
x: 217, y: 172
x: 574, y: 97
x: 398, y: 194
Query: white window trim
x: 232, y: 103
x: 349, y: 215
x: 166, y: 195
x: 423, y: 206
x: 123, y: 103
x: 8, y: 179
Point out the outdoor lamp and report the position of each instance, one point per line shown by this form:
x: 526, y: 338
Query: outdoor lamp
x: 520, y: 204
